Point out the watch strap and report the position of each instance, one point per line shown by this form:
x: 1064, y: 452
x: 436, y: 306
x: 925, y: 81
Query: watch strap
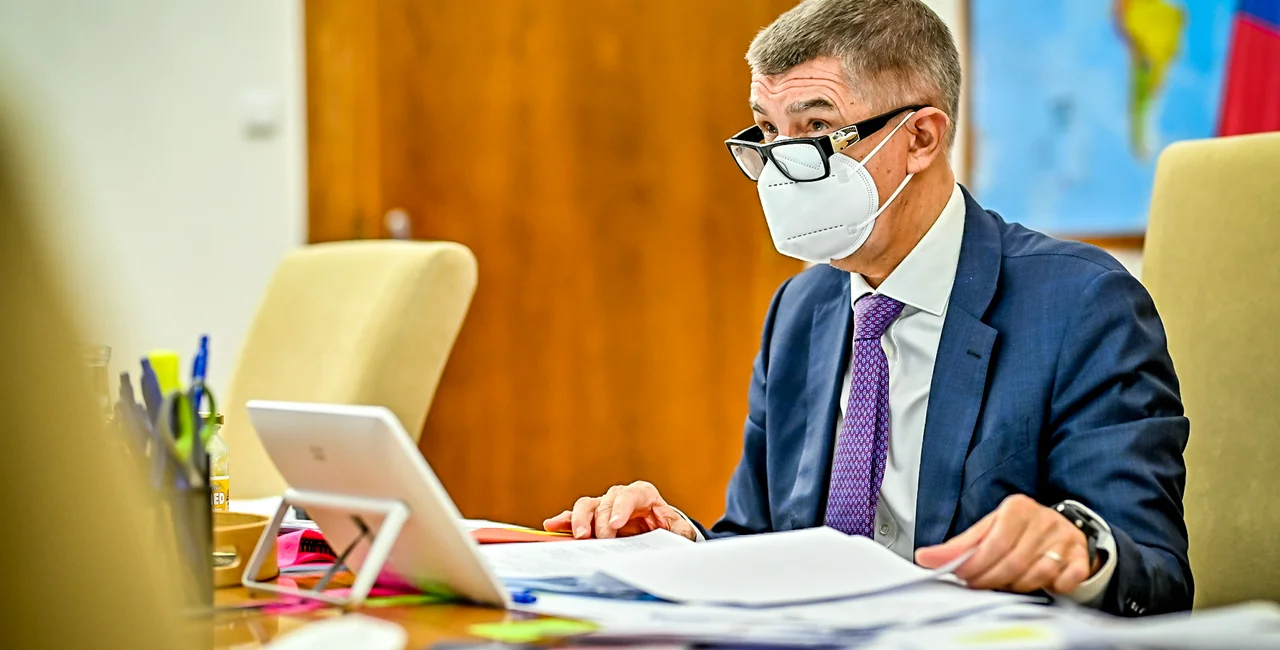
x: 1088, y: 524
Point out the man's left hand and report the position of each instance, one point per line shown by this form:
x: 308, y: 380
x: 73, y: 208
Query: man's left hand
x: 1021, y: 547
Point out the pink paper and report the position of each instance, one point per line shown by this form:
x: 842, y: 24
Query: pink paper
x: 302, y: 547
x: 388, y: 584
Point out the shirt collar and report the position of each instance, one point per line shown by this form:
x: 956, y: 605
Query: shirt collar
x: 926, y: 275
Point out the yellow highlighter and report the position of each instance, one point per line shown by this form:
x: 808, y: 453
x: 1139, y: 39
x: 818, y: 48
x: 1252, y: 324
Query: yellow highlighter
x: 165, y: 363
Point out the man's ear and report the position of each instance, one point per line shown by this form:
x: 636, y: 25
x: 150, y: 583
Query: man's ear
x: 928, y: 129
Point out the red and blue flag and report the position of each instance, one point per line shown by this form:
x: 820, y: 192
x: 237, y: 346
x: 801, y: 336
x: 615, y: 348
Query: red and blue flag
x: 1251, y: 95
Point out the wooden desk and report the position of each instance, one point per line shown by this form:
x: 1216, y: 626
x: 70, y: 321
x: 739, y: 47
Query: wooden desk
x: 425, y: 624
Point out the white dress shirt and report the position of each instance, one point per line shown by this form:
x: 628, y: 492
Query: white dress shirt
x: 922, y: 282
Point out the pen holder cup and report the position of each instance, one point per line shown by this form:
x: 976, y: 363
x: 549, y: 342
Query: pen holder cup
x: 235, y: 535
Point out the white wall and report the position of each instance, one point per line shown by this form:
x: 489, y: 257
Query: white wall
x: 173, y: 214
x: 951, y: 12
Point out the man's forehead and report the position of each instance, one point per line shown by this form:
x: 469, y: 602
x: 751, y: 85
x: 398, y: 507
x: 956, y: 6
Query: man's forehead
x: 799, y: 97
x: 771, y: 86
x: 811, y: 80
x: 822, y: 68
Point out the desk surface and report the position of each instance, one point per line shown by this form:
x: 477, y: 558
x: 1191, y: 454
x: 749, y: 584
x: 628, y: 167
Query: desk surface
x: 425, y: 624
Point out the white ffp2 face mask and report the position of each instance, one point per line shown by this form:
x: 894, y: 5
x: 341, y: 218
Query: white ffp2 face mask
x: 824, y: 220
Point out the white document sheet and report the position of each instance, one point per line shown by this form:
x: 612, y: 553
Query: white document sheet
x: 576, y: 559
x: 618, y: 612
x: 917, y: 604
x: 656, y: 622
x: 766, y: 570
x: 1247, y: 626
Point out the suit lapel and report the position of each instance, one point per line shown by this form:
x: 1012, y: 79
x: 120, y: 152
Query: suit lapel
x: 828, y: 347
x: 959, y: 381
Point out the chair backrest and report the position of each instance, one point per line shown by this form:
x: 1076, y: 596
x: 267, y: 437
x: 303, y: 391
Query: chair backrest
x: 368, y: 322
x: 1212, y: 264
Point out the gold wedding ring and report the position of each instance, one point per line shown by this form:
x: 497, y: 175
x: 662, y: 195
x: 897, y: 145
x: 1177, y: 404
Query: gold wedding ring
x: 1053, y: 555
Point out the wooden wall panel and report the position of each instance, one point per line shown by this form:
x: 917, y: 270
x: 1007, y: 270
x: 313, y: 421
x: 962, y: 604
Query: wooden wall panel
x: 344, y: 182
x: 625, y: 266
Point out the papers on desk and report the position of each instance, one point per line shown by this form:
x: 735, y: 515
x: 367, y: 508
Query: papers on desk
x: 799, y: 566
x: 767, y: 570
x: 918, y: 604
x: 819, y: 587
x: 815, y: 586
x: 1250, y: 626
x: 926, y: 602
x: 580, y: 559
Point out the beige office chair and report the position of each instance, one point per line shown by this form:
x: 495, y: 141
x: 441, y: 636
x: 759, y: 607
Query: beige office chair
x: 368, y: 322
x: 1212, y: 263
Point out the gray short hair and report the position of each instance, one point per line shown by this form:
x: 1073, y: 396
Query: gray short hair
x: 894, y: 52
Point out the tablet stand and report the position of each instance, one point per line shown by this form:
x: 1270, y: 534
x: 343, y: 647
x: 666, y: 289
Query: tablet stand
x: 395, y: 514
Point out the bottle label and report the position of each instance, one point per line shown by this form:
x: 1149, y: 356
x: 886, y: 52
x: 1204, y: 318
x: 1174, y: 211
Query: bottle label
x: 221, y: 488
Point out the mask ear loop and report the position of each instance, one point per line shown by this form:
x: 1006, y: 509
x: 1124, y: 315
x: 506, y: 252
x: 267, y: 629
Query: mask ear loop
x: 863, y: 239
x: 876, y: 150
x: 893, y: 196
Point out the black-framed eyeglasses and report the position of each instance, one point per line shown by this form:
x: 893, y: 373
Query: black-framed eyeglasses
x: 802, y: 159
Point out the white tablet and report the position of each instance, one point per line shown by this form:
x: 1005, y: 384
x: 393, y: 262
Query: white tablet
x: 363, y: 451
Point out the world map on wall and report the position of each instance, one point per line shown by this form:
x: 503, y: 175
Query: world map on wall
x: 1073, y: 100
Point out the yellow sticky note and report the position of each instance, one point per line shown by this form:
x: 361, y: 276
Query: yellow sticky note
x: 1009, y: 636
x: 530, y: 631
x: 166, y: 364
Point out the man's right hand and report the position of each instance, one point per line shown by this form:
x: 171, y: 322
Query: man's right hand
x: 623, y: 511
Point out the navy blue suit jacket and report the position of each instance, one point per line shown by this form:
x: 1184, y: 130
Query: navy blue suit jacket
x: 1052, y: 380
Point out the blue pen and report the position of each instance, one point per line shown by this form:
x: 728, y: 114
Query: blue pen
x: 199, y: 369
x: 523, y: 597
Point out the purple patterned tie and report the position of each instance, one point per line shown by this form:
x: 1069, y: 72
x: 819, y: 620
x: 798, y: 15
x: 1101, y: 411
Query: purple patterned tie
x: 863, y: 444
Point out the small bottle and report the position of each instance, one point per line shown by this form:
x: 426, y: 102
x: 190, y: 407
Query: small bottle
x: 219, y: 466
x: 97, y: 358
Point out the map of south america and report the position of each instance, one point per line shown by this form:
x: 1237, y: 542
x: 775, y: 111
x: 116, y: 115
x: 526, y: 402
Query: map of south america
x: 1152, y: 30
x: 1073, y: 101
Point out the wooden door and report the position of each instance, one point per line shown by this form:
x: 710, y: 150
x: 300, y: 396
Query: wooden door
x: 625, y: 267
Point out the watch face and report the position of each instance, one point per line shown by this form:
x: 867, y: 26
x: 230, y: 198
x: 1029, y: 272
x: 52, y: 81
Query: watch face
x: 1079, y: 517
x: 1085, y: 522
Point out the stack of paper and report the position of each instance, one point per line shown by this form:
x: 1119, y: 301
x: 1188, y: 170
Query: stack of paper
x: 815, y: 586
x: 573, y: 567
x: 915, y: 605
x: 820, y: 588
x: 578, y: 559
x: 1250, y: 626
x: 767, y: 570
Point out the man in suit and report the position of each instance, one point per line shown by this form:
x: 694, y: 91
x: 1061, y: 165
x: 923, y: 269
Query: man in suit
x: 943, y: 381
